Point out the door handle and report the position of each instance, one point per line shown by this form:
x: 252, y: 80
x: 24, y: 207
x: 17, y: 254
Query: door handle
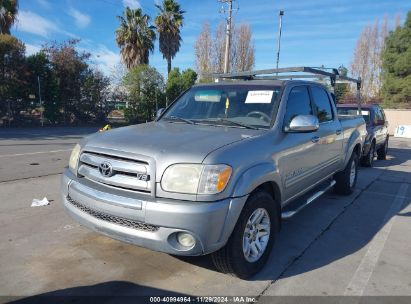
x: 338, y: 132
x: 315, y: 139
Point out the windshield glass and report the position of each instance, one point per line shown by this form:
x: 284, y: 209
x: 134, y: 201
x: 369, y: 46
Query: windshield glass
x: 233, y: 105
x: 354, y: 111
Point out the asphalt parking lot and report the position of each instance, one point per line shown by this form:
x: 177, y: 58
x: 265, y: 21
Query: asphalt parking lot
x: 355, y: 245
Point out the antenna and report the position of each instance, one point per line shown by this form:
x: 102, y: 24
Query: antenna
x: 280, y: 26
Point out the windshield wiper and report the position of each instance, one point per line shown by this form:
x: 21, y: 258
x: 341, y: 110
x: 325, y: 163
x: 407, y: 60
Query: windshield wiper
x: 237, y: 123
x: 181, y: 119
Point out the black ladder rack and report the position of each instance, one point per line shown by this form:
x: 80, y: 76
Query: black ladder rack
x: 281, y: 74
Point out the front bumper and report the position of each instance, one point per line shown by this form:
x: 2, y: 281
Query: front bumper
x: 150, y: 222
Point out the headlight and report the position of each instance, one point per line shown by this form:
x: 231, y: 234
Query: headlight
x: 196, y: 179
x: 74, y: 158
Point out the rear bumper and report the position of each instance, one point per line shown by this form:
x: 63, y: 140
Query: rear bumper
x: 151, y: 223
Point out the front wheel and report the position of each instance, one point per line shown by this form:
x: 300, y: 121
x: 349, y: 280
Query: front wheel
x: 383, y: 151
x: 368, y: 159
x: 249, y: 246
x: 346, y: 179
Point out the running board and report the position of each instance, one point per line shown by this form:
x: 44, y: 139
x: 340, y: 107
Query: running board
x: 291, y: 213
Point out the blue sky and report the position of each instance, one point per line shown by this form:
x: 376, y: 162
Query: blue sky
x: 315, y: 32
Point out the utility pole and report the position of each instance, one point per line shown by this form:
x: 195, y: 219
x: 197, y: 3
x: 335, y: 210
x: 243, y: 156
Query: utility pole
x: 228, y: 34
x: 41, y: 105
x: 280, y: 26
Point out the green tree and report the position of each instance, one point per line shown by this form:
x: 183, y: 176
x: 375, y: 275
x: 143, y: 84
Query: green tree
x: 70, y: 68
x: 179, y: 82
x: 95, y: 103
x: 396, y: 65
x: 145, y: 86
x: 168, y: 22
x: 40, y: 69
x: 135, y: 37
x: 12, y: 76
x: 341, y: 89
x: 8, y: 13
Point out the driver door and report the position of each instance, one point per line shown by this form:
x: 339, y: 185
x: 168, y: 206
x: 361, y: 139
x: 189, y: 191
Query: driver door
x: 296, y: 161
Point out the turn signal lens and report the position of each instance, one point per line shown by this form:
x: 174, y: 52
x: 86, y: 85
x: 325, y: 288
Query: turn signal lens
x: 223, y: 178
x: 214, y: 179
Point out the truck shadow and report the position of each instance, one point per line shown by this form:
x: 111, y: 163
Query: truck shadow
x: 335, y: 226
x: 110, y: 292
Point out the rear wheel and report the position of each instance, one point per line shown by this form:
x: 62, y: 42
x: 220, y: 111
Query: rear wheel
x: 368, y: 159
x: 249, y: 246
x: 382, y: 152
x: 346, y: 179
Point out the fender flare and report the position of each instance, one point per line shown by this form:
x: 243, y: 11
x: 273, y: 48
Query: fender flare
x: 255, y: 176
x: 246, y: 183
x: 353, y: 141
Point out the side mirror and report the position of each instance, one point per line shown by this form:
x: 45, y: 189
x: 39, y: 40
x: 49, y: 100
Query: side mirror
x: 303, y: 123
x: 159, y: 112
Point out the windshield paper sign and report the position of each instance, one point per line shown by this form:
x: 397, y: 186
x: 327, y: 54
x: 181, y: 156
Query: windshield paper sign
x: 259, y: 97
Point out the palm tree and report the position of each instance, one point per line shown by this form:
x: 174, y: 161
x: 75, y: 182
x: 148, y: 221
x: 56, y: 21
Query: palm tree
x: 168, y: 23
x: 8, y: 13
x: 135, y: 37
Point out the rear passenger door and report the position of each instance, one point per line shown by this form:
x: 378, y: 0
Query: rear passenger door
x: 329, y: 139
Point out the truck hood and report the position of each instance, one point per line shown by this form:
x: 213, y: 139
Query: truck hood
x: 168, y: 142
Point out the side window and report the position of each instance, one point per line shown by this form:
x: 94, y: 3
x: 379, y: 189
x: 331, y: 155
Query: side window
x: 298, y: 103
x: 322, y: 104
x: 377, y: 115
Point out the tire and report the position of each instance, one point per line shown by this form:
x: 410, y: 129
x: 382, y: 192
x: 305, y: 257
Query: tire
x: 368, y: 159
x: 345, y: 181
x: 231, y: 259
x: 383, y: 151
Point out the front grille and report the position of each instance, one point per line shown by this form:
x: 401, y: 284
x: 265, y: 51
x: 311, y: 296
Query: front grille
x: 125, y: 173
x: 111, y: 218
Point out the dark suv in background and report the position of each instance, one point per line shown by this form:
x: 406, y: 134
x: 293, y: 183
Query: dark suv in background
x: 376, y: 142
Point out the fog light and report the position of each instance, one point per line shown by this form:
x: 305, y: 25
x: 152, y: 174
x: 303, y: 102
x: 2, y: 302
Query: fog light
x: 185, y: 239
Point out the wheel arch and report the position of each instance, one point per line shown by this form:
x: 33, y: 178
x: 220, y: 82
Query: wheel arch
x: 357, y: 149
x: 354, y: 145
x: 261, y: 177
x: 274, y: 190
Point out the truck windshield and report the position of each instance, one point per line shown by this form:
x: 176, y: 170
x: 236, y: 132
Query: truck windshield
x: 354, y: 111
x: 243, y: 106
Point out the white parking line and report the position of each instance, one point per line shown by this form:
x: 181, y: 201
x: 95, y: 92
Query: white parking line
x: 33, y: 153
x: 364, y: 271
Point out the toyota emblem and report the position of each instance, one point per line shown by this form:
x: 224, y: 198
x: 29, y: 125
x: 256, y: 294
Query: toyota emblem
x: 106, y: 169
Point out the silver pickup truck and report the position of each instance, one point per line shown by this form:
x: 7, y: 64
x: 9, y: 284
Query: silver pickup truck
x: 217, y: 171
